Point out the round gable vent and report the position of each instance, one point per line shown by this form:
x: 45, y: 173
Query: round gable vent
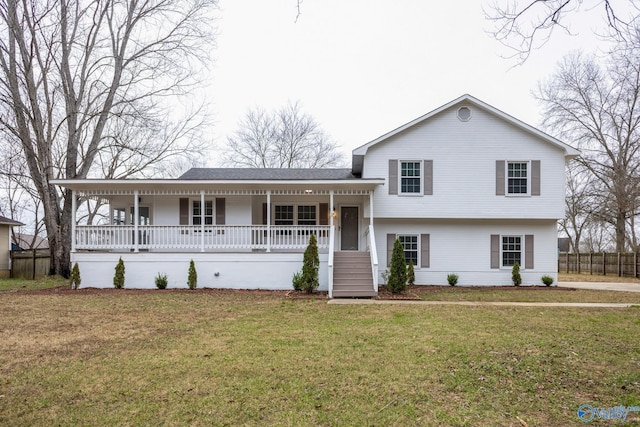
x: 464, y: 114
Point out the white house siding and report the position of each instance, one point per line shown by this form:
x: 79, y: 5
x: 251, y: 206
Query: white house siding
x: 463, y: 247
x: 464, y: 156
x: 235, y: 270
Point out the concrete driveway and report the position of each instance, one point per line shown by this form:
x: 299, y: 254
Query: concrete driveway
x: 602, y: 286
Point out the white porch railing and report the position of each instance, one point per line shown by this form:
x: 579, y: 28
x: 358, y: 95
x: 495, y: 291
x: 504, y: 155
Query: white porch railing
x: 196, y: 237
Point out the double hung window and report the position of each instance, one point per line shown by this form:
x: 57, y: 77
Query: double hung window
x: 410, y: 176
x: 511, y: 250
x: 517, y: 178
x: 410, y: 246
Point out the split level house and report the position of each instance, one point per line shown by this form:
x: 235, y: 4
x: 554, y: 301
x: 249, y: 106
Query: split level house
x: 467, y: 189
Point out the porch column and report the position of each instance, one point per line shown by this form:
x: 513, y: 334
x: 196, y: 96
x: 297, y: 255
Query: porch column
x: 268, y: 220
x: 371, y: 208
x: 73, y: 222
x: 331, y: 208
x: 136, y: 218
x: 202, y: 220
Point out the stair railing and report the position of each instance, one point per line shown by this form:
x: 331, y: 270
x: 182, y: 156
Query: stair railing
x: 330, y: 261
x: 374, y: 257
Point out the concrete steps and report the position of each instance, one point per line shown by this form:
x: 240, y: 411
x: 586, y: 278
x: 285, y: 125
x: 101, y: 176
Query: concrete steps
x: 352, y: 275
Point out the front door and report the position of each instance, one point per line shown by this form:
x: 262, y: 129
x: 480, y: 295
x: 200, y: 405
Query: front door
x: 349, y: 228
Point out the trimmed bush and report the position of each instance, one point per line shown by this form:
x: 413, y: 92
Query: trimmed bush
x: 118, y: 278
x: 398, y: 270
x: 74, y: 277
x: 452, y: 279
x: 296, y: 281
x: 192, y: 278
x: 515, y: 275
x: 547, y: 280
x: 411, y: 274
x: 310, y: 265
x: 161, y: 281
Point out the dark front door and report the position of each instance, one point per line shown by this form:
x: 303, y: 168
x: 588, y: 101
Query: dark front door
x: 349, y: 228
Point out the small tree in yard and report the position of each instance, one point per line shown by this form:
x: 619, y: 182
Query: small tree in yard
x: 311, y: 263
x: 74, y: 277
x: 398, y: 275
x: 192, y: 278
x: 515, y: 275
x: 411, y: 274
x: 118, y: 278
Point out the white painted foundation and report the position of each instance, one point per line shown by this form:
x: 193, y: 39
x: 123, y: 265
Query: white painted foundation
x: 215, y: 270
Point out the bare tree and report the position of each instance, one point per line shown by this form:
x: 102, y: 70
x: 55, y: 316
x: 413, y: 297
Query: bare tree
x: 524, y: 26
x: 579, y: 203
x: 75, y: 73
x: 286, y: 138
x: 598, y: 107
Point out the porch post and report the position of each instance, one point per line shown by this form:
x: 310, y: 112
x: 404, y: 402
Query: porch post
x: 331, y: 208
x: 202, y: 220
x: 135, y: 221
x: 73, y: 222
x: 268, y: 220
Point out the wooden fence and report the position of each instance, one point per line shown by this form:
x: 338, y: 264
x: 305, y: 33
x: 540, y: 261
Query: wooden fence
x: 606, y: 264
x: 30, y: 264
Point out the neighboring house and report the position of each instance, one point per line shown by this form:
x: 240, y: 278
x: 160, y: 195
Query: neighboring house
x: 24, y: 242
x: 466, y: 188
x: 5, y: 244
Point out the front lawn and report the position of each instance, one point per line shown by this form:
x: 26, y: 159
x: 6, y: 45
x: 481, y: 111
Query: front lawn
x: 226, y: 358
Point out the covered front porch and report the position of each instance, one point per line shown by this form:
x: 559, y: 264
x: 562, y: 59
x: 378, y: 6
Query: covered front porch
x: 230, y: 228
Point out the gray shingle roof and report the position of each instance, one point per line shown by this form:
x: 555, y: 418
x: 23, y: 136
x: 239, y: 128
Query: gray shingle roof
x: 266, y: 174
x: 9, y: 221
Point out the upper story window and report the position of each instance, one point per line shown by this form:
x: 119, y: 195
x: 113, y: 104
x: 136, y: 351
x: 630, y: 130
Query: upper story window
x: 517, y: 178
x: 200, y: 214
x: 410, y: 177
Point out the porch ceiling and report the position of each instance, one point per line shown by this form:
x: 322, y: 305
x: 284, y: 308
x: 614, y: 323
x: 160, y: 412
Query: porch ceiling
x: 172, y: 186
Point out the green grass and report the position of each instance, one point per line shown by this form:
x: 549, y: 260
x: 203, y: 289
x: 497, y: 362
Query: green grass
x: 522, y: 294
x: 180, y: 358
x: 30, y: 285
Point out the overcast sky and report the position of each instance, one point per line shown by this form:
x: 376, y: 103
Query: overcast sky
x: 365, y: 67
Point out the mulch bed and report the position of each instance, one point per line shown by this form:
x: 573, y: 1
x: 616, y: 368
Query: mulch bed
x: 412, y: 292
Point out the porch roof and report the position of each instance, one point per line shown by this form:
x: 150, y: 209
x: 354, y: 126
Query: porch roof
x: 313, y: 183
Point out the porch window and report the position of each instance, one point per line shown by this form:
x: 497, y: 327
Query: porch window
x: 119, y: 216
x: 410, y: 246
x: 283, y: 215
x: 307, y: 215
x: 198, y: 214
